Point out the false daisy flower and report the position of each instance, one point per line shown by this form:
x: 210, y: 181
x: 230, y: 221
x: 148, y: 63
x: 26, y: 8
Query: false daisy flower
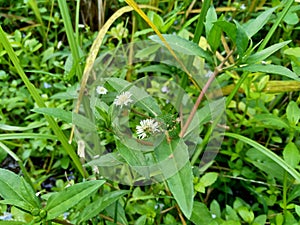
x: 101, y: 90
x: 147, y: 127
x: 123, y: 99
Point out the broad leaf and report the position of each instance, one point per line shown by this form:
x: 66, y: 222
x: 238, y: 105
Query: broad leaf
x: 60, y: 202
x: 97, y: 206
x: 262, y: 55
x: 229, y: 28
x: 253, y: 26
x: 269, y: 121
x: 201, y: 214
x: 181, y: 183
x: 269, y: 68
x: 214, y: 37
x: 68, y: 117
x: 183, y: 46
x: 241, y: 39
x: 61, y: 114
x: 16, y: 191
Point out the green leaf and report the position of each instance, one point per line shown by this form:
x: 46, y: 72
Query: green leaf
x: 61, y: 202
x: 241, y: 39
x: 12, y: 223
x: 291, y: 154
x: 16, y: 191
x: 101, y: 203
x: 260, y: 220
x: 269, y: 154
x: 297, y: 209
x: 201, y: 214
x: 181, y: 186
x: 215, y: 208
x: 293, y: 113
x: 26, y: 135
x: 209, y: 178
x: 247, y: 215
x: 231, y: 214
x: 206, y: 180
x: 183, y: 46
x: 214, y: 38
x: 253, y: 26
x: 134, y: 157
x: 68, y: 117
x: 117, y: 211
x: 263, y: 54
x: 211, y: 17
x: 229, y: 28
x: 269, y: 68
x: 269, y: 121
x: 56, y: 113
x: 16, y: 128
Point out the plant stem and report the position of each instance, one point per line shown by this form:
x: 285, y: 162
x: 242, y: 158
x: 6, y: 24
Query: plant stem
x: 217, y: 70
x: 200, y: 23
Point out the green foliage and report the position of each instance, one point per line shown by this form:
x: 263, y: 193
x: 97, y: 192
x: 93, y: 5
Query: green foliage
x: 249, y: 49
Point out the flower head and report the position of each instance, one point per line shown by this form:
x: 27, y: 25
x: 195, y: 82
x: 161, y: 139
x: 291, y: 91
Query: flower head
x: 101, y: 90
x: 147, y: 127
x: 123, y: 99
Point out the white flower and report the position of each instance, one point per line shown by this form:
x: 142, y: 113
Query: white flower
x: 123, y: 99
x: 101, y: 90
x: 147, y: 127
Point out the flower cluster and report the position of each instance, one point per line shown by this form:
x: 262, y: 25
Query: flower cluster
x: 147, y: 127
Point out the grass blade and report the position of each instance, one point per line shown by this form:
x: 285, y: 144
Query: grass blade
x: 267, y: 153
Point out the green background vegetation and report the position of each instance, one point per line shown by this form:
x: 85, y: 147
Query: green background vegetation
x: 47, y: 47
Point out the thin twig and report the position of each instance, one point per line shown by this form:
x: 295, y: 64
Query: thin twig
x: 109, y: 219
x: 180, y: 215
x: 218, y: 69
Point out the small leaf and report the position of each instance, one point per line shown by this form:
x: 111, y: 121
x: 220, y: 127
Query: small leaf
x: 260, y: 220
x: 201, y: 214
x: 274, y: 69
x: 215, y: 208
x: 297, y: 209
x: 209, y: 178
x: 247, y: 215
x: 291, y: 154
x: 263, y: 54
x: 60, y: 202
x: 293, y: 113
